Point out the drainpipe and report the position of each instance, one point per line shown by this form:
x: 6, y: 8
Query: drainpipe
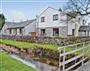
x: 59, y: 49
x: 37, y: 25
x: 67, y: 25
x: 88, y: 32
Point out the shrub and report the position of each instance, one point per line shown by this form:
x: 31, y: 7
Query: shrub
x: 46, y: 53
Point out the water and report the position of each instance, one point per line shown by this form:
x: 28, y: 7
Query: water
x: 35, y: 64
x: 28, y: 63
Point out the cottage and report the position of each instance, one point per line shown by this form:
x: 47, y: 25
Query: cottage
x: 20, y: 28
x: 84, y: 31
x: 53, y: 22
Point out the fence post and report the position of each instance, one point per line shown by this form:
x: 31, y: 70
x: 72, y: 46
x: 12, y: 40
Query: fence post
x: 83, y: 54
x: 59, y: 58
x: 63, y: 58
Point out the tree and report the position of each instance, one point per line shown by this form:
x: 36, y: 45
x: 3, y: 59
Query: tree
x: 80, y: 6
x: 2, y: 21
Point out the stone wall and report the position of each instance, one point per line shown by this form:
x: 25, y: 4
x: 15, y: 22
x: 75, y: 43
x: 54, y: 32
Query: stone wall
x: 48, y: 40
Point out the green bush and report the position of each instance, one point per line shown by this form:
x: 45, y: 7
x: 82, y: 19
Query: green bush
x: 45, y: 52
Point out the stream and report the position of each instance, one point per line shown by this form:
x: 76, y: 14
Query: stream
x: 35, y: 64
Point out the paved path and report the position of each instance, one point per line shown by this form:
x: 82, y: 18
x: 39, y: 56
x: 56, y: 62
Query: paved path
x: 85, y: 67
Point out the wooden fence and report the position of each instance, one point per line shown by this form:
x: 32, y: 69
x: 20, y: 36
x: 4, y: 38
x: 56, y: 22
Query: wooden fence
x: 73, y: 56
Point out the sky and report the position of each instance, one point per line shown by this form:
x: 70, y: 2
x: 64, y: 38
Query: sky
x: 20, y: 10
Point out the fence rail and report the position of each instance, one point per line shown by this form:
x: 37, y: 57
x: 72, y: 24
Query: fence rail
x: 78, y: 50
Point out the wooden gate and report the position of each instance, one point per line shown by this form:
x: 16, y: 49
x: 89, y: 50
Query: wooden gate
x: 73, y: 56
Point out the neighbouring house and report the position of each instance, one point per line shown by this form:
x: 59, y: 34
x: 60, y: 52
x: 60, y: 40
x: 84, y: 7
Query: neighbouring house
x: 75, y: 21
x: 20, y: 28
x: 84, y: 31
x: 53, y: 22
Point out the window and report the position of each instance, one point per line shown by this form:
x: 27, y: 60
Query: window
x: 15, y: 31
x: 73, y: 31
x: 42, y: 31
x: 55, y: 31
x: 10, y: 31
x: 55, y: 17
x: 79, y: 19
x: 5, y: 31
x: 42, y: 19
x: 20, y: 30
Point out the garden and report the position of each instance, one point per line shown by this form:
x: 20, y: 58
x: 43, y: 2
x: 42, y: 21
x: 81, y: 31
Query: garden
x: 47, y: 53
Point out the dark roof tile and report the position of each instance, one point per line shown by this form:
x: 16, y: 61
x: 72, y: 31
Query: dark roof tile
x: 19, y: 24
x: 84, y: 28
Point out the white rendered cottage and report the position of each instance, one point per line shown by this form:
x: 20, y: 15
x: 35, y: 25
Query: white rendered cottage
x: 52, y: 22
x: 20, y: 28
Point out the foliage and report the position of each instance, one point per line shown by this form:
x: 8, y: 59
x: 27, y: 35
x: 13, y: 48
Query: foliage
x: 46, y: 53
x: 2, y: 21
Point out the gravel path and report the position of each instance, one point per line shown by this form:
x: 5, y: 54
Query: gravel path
x: 86, y: 67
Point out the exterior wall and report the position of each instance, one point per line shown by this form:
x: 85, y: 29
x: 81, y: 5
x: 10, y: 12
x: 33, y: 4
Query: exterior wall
x: 4, y: 30
x: 70, y: 26
x: 49, y: 24
x: 75, y: 24
x: 63, y: 31
x: 49, y: 31
x: 79, y: 22
x: 13, y: 31
x: 18, y: 31
x: 30, y: 28
x: 82, y: 34
x: 48, y: 14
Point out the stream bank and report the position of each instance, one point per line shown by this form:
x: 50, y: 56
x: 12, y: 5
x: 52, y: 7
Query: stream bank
x: 24, y: 58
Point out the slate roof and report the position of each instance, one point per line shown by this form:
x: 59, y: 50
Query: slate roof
x: 89, y: 24
x: 84, y: 28
x: 19, y: 24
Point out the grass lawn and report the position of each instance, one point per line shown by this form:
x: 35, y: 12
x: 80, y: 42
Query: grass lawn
x: 9, y: 64
x: 27, y: 44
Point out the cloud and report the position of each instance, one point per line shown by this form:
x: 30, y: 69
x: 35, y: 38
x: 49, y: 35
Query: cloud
x: 18, y: 16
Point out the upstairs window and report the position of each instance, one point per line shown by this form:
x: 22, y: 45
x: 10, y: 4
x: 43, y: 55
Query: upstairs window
x: 42, y: 19
x: 55, y: 17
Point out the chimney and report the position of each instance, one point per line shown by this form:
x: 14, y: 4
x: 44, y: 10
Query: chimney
x: 60, y: 9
